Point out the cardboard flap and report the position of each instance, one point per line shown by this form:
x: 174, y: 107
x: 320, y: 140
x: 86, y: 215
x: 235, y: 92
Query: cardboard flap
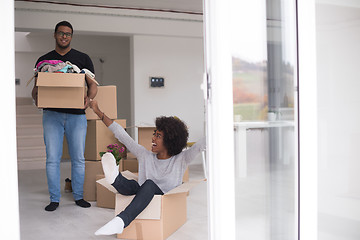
x: 185, y: 187
x: 145, y: 135
x: 104, y: 183
x: 107, y: 100
x: 129, y: 175
x: 47, y: 79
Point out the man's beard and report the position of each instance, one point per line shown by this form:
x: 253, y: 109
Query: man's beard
x: 63, y: 46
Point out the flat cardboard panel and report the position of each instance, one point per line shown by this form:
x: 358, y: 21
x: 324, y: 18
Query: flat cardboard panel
x: 97, y: 138
x: 61, y: 90
x: 105, y: 184
x: 131, y: 164
x: 152, y: 211
x: 102, y: 138
x: 107, y: 101
x: 104, y: 197
x: 173, y: 216
x: 130, y: 155
x: 143, y: 229
x: 174, y: 213
x: 60, y: 97
x: 145, y: 135
x: 92, y: 168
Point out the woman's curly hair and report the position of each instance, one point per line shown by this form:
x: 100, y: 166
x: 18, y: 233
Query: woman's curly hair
x: 175, y: 133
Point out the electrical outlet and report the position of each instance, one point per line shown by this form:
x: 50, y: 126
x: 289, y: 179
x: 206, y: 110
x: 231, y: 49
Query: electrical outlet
x: 157, y: 82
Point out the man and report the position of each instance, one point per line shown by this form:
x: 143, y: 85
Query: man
x: 71, y: 122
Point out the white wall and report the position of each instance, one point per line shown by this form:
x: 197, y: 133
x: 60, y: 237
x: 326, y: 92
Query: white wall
x: 338, y: 59
x: 339, y: 115
x: 9, y: 204
x: 180, y: 62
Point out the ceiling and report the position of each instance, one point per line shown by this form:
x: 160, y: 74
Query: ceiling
x: 173, y: 5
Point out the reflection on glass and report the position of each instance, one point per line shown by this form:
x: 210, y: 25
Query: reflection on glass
x: 249, y: 90
x: 249, y: 60
x: 263, y: 60
x: 264, y: 99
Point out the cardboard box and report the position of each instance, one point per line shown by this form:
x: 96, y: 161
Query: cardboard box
x: 131, y: 164
x: 130, y: 155
x: 98, y: 137
x: 145, y: 135
x: 60, y: 90
x: 162, y: 217
x: 107, y: 101
x: 104, y: 197
x: 92, y: 169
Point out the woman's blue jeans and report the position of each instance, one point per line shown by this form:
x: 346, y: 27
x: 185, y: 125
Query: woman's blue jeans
x: 143, y: 196
x: 74, y: 126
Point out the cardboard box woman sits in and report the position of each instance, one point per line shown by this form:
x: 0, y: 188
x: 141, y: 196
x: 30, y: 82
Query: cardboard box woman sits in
x: 160, y: 169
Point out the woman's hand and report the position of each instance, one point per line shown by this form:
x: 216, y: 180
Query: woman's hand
x: 94, y: 106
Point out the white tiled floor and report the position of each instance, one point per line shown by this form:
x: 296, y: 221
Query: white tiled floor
x: 72, y: 222
x: 257, y: 218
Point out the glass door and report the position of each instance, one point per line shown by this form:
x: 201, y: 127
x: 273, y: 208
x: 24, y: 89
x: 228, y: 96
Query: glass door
x: 251, y: 66
x: 263, y: 50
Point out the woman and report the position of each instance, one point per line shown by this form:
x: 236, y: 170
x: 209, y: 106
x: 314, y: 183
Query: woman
x: 160, y: 169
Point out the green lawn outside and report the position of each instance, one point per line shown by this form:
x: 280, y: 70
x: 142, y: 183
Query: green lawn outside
x: 249, y: 111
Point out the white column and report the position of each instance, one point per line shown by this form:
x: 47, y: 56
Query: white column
x: 307, y: 120
x: 220, y: 132
x: 9, y: 203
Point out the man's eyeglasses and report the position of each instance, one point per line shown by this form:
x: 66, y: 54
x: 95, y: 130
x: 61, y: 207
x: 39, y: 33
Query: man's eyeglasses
x: 62, y: 34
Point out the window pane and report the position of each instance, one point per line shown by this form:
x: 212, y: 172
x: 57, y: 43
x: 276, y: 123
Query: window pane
x: 264, y: 99
x: 249, y: 60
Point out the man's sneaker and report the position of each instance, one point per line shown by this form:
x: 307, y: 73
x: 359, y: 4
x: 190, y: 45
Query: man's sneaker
x: 52, y: 206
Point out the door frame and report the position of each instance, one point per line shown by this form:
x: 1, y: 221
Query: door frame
x: 220, y: 149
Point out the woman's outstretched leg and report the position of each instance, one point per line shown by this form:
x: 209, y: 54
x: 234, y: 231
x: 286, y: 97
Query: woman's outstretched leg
x: 143, y: 197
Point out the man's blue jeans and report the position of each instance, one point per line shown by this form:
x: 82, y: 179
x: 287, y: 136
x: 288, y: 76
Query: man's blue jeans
x: 144, y: 195
x: 74, y: 126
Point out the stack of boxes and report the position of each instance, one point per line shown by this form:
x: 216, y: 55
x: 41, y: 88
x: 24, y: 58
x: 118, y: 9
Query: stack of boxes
x: 165, y: 214
x: 59, y: 90
x: 98, y: 137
